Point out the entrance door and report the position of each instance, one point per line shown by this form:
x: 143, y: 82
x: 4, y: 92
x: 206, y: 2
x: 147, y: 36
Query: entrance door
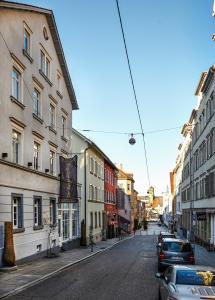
x: 63, y: 225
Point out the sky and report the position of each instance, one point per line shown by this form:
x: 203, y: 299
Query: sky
x: 169, y: 45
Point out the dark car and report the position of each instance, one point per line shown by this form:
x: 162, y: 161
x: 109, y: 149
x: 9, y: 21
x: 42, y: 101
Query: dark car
x: 175, y: 251
x: 187, y: 282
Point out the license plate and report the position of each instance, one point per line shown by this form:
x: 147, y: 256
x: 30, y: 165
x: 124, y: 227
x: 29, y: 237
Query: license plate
x: 177, y: 258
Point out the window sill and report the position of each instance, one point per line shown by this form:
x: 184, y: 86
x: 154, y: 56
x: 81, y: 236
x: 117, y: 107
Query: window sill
x: 45, y: 77
x: 39, y: 227
x: 37, y: 118
x: 52, y: 129
x: 25, y: 53
x: 18, y: 230
x: 64, y: 139
x: 59, y: 94
x: 14, y: 100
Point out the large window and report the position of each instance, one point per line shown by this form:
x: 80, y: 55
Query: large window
x: 53, y: 218
x: 17, y: 209
x: 37, y: 211
x: 63, y: 121
x: 52, y: 162
x: 75, y: 219
x: 36, y: 156
x: 16, y: 146
x: 52, y: 115
x: 37, y: 102
x: 27, y: 41
x: 45, y: 64
x: 16, y: 84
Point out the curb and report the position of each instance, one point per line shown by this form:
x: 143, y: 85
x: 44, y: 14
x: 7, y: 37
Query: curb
x: 36, y: 281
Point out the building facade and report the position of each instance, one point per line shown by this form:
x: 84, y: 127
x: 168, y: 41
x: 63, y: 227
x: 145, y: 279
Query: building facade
x: 110, y: 194
x: 36, y: 103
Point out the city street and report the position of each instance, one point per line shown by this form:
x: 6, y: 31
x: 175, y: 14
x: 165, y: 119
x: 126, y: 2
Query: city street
x: 124, y: 272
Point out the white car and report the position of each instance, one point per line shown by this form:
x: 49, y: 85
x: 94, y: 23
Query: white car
x: 184, y: 282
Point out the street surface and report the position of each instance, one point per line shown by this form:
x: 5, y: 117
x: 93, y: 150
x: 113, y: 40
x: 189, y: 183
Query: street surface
x: 127, y: 271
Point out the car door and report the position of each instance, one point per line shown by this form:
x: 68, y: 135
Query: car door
x: 164, y: 286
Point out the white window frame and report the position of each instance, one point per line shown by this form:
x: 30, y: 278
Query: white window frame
x: 37, y: 106
x: 35, y: 142
x: 15, y: 211
x: 64, y: 126
x: 52, y: 150
x: 52, y: 122
x: 44, y: 58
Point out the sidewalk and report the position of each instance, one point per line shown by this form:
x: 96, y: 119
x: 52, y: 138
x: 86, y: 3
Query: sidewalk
x: 33, y: 272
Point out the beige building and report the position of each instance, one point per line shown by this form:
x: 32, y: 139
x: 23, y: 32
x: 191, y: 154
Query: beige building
x: 36, y: 103
x: 91, y: 176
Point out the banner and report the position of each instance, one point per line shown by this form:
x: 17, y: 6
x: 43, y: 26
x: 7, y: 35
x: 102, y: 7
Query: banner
x: 68, y: 180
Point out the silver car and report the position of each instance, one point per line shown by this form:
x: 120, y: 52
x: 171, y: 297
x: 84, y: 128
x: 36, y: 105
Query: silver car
x: 184, y: 282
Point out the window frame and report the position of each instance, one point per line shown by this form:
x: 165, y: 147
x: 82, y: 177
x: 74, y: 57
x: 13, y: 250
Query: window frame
x: 20, y: 212
x: 37, y: 204
x: 52, y: 171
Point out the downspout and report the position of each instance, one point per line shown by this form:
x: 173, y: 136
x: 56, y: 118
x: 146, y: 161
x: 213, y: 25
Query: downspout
x: 85, y: 191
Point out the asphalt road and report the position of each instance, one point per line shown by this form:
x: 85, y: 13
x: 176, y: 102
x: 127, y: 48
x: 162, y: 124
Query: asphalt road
x: 127, y: 271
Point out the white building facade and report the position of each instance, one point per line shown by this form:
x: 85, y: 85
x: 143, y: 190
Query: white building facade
x: 36, y: 103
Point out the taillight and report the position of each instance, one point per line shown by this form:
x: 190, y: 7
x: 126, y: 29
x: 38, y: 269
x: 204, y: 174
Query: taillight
x: 162, y: 256
x: 191, y: 259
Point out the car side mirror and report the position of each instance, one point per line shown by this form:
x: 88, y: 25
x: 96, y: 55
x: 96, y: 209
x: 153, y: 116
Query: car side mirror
x: 159, y: 245
x: 166, y: 279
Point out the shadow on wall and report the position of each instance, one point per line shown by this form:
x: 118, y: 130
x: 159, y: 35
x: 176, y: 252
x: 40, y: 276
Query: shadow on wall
x: 1, y: 243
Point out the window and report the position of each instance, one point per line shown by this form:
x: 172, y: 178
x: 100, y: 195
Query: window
x: 59, y: 83
x: 36, y: 156
x: 17, y: 209
x: 27, y: 37
x: 16, y: 146
x: 53, y: 218
x: 91, y: 220
x: 45, y: 64
x: 91, y: 165
x: 99, y: 219
x: 52, y: 115
x: 91, y: 191
x: 37, y: 211
x: 36, y: 102
x: 96, y: 194
x: 96, y: 220
x: 63, y: 121
x: 96, y: 168
x: 52, y: 162
x: 75, y: 219
x: 16, y: 84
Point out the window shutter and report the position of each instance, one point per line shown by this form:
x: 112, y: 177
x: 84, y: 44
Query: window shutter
x: 20, y: 213
x: 39, y: 211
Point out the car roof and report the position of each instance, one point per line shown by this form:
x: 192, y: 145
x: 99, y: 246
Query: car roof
x: 193, y: 267
x: 166, y: 233
x: 175, y: 240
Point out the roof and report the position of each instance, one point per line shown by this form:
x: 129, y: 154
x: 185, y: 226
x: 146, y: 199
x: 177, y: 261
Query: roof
x: 193, y: 267
x: 56, y: 39
x: 124, y: 175
x: 93, y: 145
x: 200, y: 83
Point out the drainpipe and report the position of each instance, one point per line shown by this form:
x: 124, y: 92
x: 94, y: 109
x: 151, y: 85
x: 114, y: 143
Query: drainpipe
x: 85, y: 194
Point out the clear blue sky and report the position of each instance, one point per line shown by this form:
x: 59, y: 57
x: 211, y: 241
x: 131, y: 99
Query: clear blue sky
x: 169, y: 43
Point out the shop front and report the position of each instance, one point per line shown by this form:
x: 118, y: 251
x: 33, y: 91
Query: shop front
x: 111, y: 221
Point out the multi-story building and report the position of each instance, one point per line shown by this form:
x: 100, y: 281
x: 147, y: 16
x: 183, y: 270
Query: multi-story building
x: 110, y: 194
x: 125, y: 183
x: 198, y: 180
x: 91, y: 176
x: 134, y: 210
x: 36, y: 103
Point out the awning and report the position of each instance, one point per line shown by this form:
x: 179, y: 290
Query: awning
x: 123, y: 220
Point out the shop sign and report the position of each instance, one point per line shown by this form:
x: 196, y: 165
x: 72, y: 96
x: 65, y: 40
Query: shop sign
x: 201, y: 216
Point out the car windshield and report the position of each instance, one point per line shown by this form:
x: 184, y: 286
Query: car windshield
x: 177, y: 247
x: 195, y: 277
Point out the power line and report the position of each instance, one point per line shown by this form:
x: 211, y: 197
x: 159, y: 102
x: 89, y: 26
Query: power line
x: 134, y: 91
x: 129, y: 133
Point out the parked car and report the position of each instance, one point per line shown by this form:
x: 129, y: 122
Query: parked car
x: 187, y: 282
x: 165, y: 234
x: 175, y: 251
